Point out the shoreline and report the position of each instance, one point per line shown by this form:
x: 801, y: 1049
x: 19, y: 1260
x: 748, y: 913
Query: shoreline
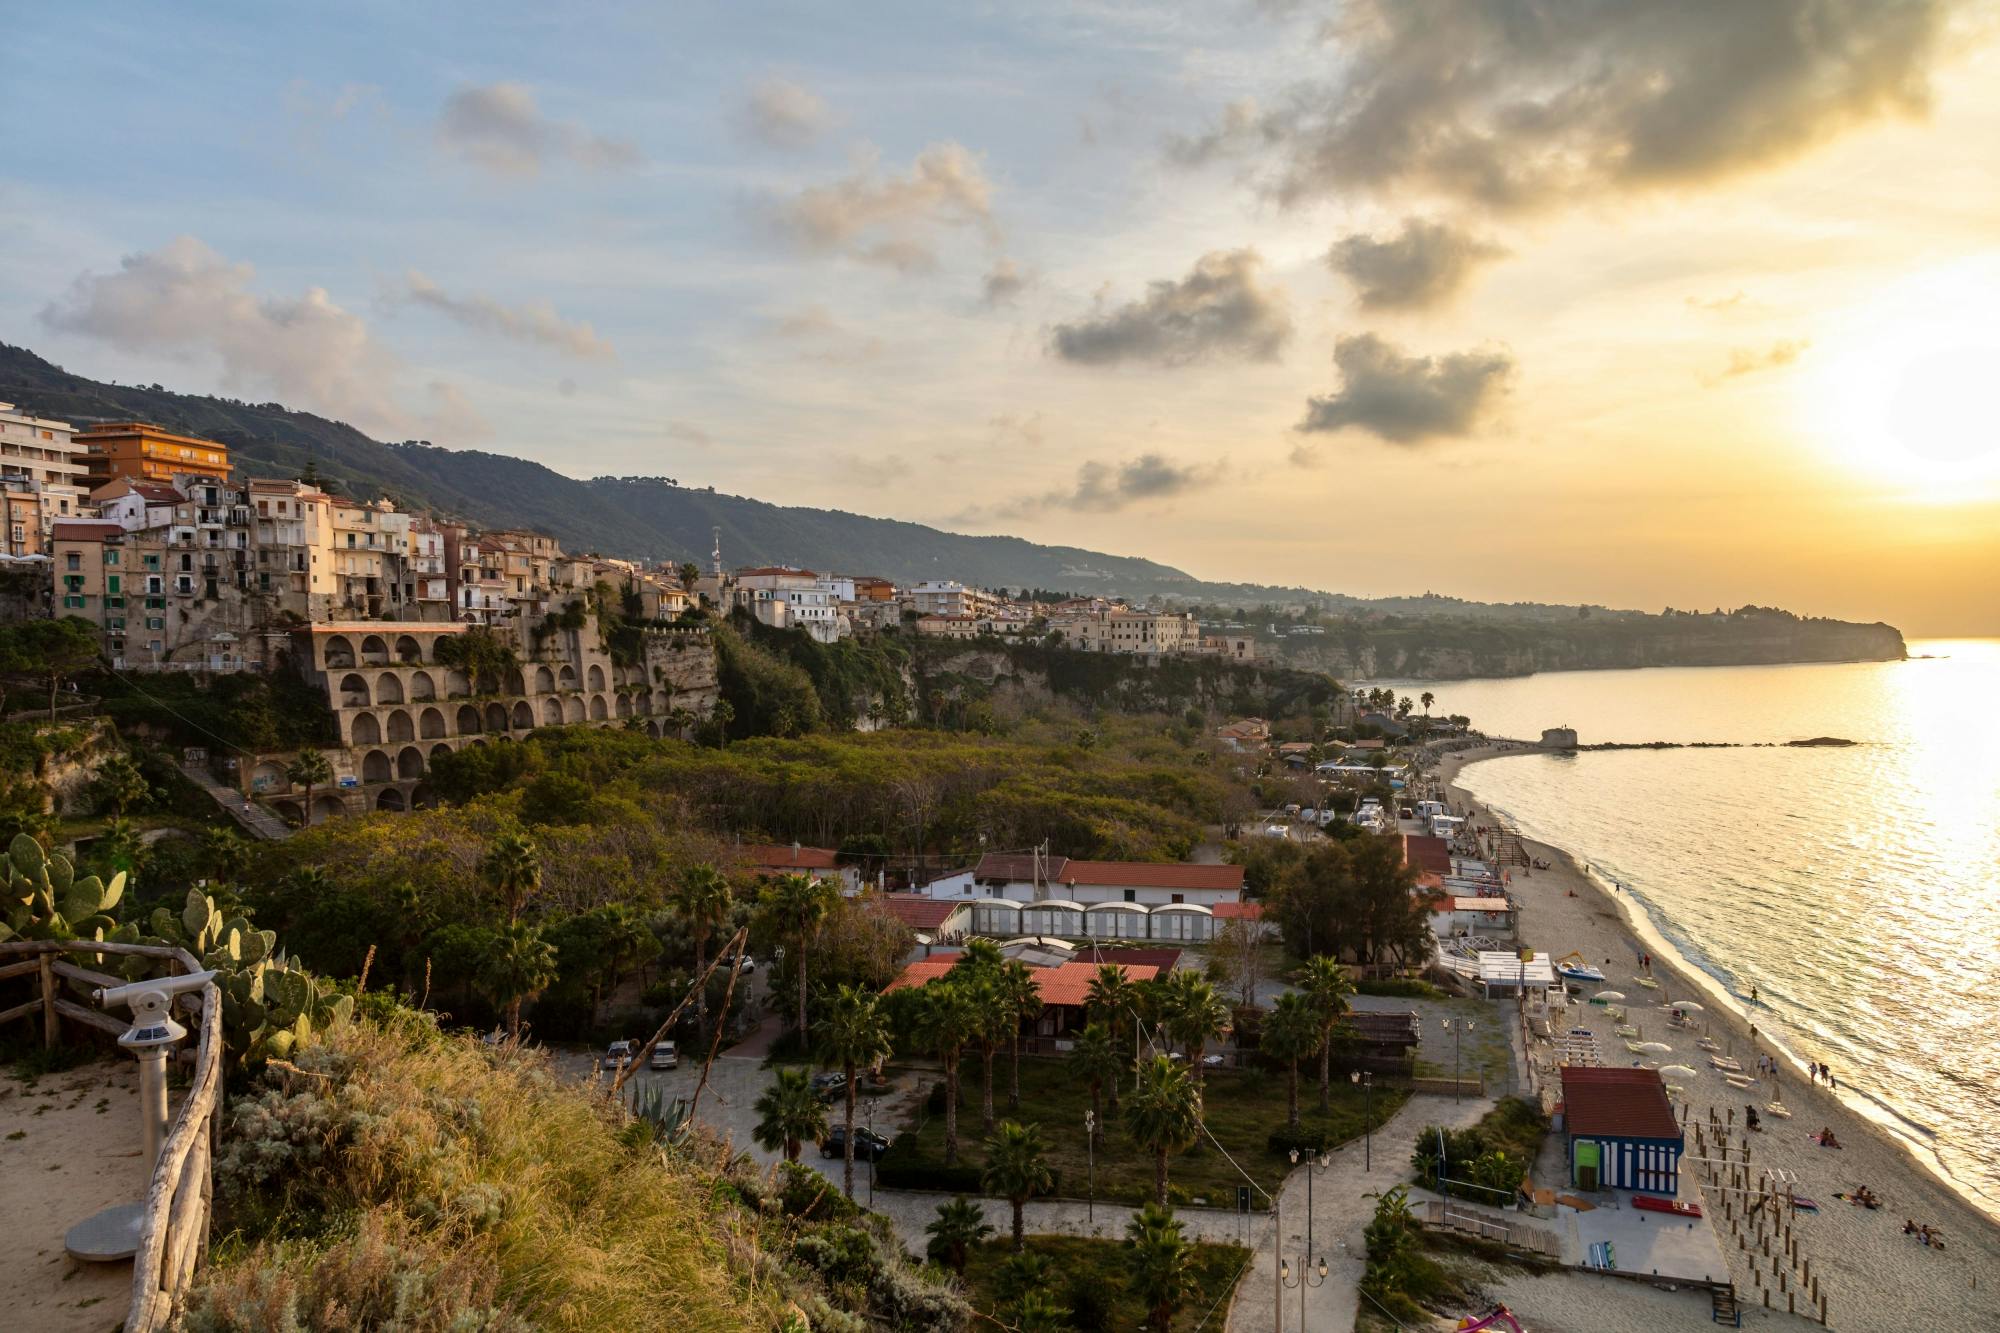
x: 1887, y: 1280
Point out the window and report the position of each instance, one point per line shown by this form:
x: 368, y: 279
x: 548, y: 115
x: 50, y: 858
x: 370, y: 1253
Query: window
x: 111, y: 580
x: 1179, y: 899
x: 72, y: 560
x: 156, y: 622
x: 111, y: 557
x: 1131, y: 895
x: 73, y: 602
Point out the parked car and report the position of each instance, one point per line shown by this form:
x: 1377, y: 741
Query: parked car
x: 830, y: 1085
x: 868, y: 1145
x: 666, y: 1056
x: 618, y: 1055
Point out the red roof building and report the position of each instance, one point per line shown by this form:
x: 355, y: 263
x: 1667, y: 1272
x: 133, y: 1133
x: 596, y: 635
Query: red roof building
x: 1622, y: 1130
x: 1430, y: 855
x: 919, y: 912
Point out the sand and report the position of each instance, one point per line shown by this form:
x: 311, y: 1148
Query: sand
x: 1874, y: 1276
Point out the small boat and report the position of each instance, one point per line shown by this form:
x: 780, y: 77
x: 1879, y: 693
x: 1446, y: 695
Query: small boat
x: 1708, y: 1045
x: 1653, y: 1203
x: 1647, y: 982
x: 1572, y: 967
x: 1778, y: 1109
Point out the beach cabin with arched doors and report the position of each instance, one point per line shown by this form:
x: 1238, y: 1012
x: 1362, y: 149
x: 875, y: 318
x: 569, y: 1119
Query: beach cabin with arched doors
x: 1621, y: 1130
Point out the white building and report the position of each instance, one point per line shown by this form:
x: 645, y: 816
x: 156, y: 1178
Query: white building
x: 949, y: 597
x: 1023, y: 877
x: 40, y: 456
x: 786, y: 598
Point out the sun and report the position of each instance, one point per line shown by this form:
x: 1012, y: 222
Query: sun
x: 1902, y: 389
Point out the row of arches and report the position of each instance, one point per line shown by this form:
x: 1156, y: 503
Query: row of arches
x: 355, y: 690
x: 292, y: 811
x: 339, y: 652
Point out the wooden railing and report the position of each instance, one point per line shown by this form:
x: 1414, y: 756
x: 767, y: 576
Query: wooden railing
x: 173, y: 1236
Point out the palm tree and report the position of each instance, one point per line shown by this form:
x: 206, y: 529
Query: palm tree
x: 1163, y: 1115
x: 722, y: 713
x: 1291, y: 1034
x: 1195, y: 1016
x: 795, y: 905
x: 946, y: 1022
x: 789, y: 1112
x: 513, y: 868
x: 1160, y: 1264
x: 518, y: 965
x: 1326, y: 986
x: 995, y: 1017
x: 1017, y: 1167
x: 1109, y: 997
x: 680, y: 718
x: 1427, y: 699
x: 309, y: 770
x: 704, y: 901
x: 855, y: 1033
x: 959, y: 1226
x: 1038, y: 1312
x: 1016, y: 990
x: 1097, y: 1061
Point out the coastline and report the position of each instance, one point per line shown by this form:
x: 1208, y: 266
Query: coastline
x: 1877, y: 1278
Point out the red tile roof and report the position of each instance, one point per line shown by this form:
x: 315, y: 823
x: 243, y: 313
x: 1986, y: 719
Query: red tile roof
x: 919, y: 911
x: 86, y: 530
x: 1238, y: 911
x: 772, y: 856
x: 1427, y: 853
x: 1146, y: 874
x: 1617, y: 1103
x: 1009, y: 866
x: 1065, y: 985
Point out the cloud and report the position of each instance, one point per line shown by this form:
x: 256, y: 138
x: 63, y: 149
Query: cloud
x: 533, y: 323
x: 686, y: 432
x: 783, y: 114
x: 821, y: 337
x: 1408, y: 399
x: 1519, y: 104
x: 1004, y: 281
x: 1013, y: 431
x: 884, y: 219
x: 1736, y: 301
x: 1221, y: 309
x: 1103, y: 488
x: 498, y: 126
x: 1750, y: 360
x: 1423, y: 265
x: 184, y: 298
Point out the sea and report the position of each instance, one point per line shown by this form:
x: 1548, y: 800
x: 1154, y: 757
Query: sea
x: 1856, y: 889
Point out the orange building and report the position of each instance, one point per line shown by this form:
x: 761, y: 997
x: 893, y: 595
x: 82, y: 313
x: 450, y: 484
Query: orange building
x: 136, y: 449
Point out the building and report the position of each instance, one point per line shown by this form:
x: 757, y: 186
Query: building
x: 1457, y: 915
x: 1063, y: 991
x: 1250, y: 734
x: 950, y: 627
x: 949, y: 597
x: 1559, y: 738
x: 42, y: 476
x: 787, y: 598
x: 933, y: 920
x: 293, y: 541
x: 91, y: 574
x: 1620, y: 1129
x: 137, y: 449
x: 1023, y: 893
x: 770, y: 860
x: 1429, y: 854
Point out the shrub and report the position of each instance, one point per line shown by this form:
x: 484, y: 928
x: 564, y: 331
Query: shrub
x: 1284, y: 1139
x: 805, y: 1193
x: 1406, y: 988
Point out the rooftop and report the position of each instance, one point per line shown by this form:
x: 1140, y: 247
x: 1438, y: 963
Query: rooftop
x: 1064, y: 985
x: 919, y: 911
x: 788, y: 856
x: 1617, y: 1103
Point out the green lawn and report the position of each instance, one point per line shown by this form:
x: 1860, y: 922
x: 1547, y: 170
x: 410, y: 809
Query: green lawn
x: 1096, y: 1264
x: 1242, y: 1109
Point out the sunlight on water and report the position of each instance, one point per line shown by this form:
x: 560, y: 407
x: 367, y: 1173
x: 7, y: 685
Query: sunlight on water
x: 1853, y: 887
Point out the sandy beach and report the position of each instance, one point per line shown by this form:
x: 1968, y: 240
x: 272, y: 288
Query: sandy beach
x: 1874, y: 1276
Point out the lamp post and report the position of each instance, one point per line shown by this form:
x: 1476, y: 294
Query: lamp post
x: 1455, y: 1027
x: 1316, y: 1162
x: 874, y: 1153
x: 1090, y: 1151
x: 1366, y: 1080
x: 1305, y: 1279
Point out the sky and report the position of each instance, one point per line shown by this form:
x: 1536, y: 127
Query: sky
x: 1681, y: 303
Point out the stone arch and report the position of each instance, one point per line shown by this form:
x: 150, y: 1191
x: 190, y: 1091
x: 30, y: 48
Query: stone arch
x: 339, y: 652
x: 421, y: 797
x: 390, y: 798
x: 410, y: 763
x: 400, y: 726
x: 545, y: 680
x: 291, y: 812
x: 374, y: 651
x: 574, y: 711
x: 624, y: 707
x: 552, y: 712
x: 653, y: 730
x: 516, y: 685
x: 468, y: 720
x: 367, y: 731
x: 375, y: 767
x: 430, y: 724
x: 524, y: 716
x: 598, y: 711
x: 354, y: 690
x: 457, y: 685
x: 422, y: 686
x: 408, y: 649
x: 389, y: 689
x: 268, y: 776
x: 496, y: 717
x: 566, y: 677
x: 442, y: 748
x: 328, y: 807
x: 596, y: 677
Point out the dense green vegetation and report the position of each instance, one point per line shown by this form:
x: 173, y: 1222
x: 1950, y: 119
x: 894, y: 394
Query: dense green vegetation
x: 1091, y: 1280
x: 1487, y: 1161
x: 243, y: 712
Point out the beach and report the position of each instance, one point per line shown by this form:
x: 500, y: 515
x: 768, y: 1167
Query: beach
x: 1872, y: 1274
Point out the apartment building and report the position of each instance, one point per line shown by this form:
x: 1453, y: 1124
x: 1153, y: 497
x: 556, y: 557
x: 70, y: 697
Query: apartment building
x: 139, y: 449
x: 786, y: 598
x: 948, y: 597
x: 371, y: 540
x: 41, y: 461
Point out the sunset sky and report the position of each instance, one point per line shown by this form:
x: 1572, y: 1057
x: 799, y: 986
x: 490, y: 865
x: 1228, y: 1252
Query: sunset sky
x: 1691, y: 303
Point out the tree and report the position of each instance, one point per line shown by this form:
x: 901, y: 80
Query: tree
x: 720, y: 715
x: 689, y: 572
x: 959, y: 1226
x: 793, y: 906
x: 1326, y: 986
x: 1110, y: 998
x: 1095, y: 1057
x: 1017, y: 1168
x: 1163, y: 1115
x: 1195, y: 1015
x: 482, y: 655
x: 51, y: 651
x: 119, y: 784
x: 512, y: 868
x: 309, y: 770
x: 1017, y: 991
x: 680, y: 719
x: 789, y: 1112
x: 1039, y: 1312
x: 704, y: 901
x: 854, y: 1034
x: 946, y: 1021
x: 996, y: 1016
x: 1236, y: 959
x: 1291, y: 1034
x: 519, y: 964
x: 597, y: 946
x: 1427, y: 699
x: 225, y: 853
x: 1160, y: 1264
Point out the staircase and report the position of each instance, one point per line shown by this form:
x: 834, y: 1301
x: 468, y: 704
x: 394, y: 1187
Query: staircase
x: 259, y: 822
x: 1723, y: 1307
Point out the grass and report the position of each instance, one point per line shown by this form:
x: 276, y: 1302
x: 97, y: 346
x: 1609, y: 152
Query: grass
x: 1098, y: 1264
x: 1241, y: 1107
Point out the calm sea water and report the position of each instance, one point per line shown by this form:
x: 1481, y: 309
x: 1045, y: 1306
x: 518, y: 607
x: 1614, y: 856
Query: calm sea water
x: 1857, y: 889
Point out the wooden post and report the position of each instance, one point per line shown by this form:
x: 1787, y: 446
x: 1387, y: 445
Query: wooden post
x: 50, y: 1027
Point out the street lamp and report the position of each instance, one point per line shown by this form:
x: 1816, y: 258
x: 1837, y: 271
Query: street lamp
x: 1456, y: 1027
x: 1090, y: 1151
x: 1302, y: 1281
x: 1315, y: 1163
x: 1366, y: 1080
x: 874, y: 1153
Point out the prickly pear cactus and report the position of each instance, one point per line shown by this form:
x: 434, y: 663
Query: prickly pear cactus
x: 44, y: 900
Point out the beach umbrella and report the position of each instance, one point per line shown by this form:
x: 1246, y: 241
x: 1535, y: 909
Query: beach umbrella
x: 1679, y: 1071
x: 1685, y: 1004
x: 1654, y: 1046
x: 1609, y: 995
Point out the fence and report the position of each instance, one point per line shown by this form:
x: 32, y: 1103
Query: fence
x: 173, y: 1235
x: 1466, y: 1222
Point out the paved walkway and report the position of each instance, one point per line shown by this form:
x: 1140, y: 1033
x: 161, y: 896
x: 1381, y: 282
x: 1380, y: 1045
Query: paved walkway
x: 259, y: 821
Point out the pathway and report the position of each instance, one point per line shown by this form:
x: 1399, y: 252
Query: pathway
x: 252, y: 816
